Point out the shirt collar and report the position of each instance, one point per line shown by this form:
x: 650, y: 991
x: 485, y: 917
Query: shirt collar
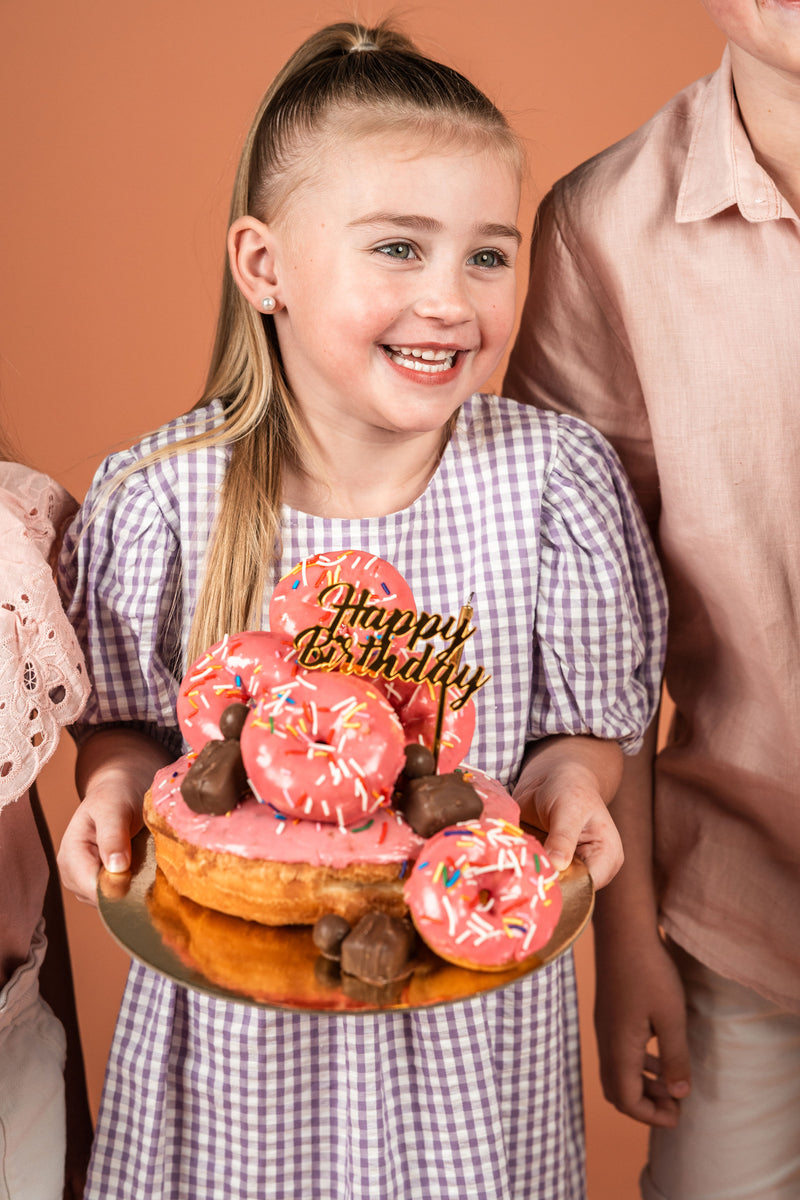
x: 721, y: 169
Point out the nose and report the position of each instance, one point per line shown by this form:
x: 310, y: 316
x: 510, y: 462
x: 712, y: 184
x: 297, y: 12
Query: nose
x: 445, y: 297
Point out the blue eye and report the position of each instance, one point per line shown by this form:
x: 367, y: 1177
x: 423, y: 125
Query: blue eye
x: 488, y: 258
x: 400, y: 250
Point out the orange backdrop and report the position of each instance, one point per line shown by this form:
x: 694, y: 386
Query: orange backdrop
x: 120, y: 126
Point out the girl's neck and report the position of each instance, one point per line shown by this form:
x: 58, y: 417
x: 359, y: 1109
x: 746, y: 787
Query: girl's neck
x: 356, y: 478
x: 769, y: 101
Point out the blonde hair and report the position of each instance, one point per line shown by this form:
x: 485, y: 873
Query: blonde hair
x: 344, y: 80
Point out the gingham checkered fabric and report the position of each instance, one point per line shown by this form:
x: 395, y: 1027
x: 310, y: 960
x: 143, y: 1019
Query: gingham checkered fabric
x: 530, y: 515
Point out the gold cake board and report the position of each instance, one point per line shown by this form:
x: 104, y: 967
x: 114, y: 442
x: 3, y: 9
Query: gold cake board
x: 280, y: 968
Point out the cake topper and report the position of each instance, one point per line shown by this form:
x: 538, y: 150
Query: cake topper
x: 393, y: 635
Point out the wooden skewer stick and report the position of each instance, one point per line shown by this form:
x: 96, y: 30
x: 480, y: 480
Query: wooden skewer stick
x: 455, y: 658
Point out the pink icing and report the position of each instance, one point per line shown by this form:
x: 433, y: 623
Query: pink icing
x: 236, y: 670
x: 485, y: 892
x: 417, y: 706
x: 325, y: 746
x: 255, y: 830
x: 294, y: 605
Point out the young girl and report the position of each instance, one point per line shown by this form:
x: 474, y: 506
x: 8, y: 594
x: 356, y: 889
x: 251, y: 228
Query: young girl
x: 370, y: 293
x: 43, y: 685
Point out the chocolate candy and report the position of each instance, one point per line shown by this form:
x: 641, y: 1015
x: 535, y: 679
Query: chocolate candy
x: 378, y: 949
x: 216, y: 780
x: 232, y: 719
x: 436, y: 801
x: 328, y: 935
x: 419, y: 761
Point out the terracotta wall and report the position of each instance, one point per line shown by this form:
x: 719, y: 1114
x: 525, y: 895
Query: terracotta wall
x: 120, y: 126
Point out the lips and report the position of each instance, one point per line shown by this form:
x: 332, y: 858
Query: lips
x: 422, y: 361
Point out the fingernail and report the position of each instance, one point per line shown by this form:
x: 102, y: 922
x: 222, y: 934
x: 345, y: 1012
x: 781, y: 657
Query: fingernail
x: 679, y: 1089
x: 117, y: 864
x: 559, y: 861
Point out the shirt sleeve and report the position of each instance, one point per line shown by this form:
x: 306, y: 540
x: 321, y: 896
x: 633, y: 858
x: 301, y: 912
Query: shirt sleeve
x: 601, y: 609
x: 572, y: 353
x: 120, y: 575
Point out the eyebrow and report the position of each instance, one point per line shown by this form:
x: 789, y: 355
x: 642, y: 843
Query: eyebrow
x: 431, y: 225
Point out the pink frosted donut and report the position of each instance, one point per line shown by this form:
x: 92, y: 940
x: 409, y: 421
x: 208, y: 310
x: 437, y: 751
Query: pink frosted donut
x: 325, y: 746
x: 416, y: 704
x: 484, y: 895
x: 295, y: 605
x: 235, y: 670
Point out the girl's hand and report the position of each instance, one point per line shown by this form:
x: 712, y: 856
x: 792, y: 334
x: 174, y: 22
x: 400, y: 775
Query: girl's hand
x: 564, y: 788
x: 99, y: 834
x: 114, y: 770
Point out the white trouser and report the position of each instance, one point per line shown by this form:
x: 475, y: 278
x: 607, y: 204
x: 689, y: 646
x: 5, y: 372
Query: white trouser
x: 32, y: 1106
x: 738, y: 1137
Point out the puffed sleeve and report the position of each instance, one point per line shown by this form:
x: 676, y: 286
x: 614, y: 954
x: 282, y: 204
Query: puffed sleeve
x: 120, y: 575
x: 601, y: 609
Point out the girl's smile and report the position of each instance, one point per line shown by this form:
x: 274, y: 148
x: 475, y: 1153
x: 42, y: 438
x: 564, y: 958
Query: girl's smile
x: 434, y: 365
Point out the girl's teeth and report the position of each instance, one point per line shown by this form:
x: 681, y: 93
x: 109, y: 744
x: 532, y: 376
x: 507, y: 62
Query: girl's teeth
x: 429, y: 361
x: 429, y: 355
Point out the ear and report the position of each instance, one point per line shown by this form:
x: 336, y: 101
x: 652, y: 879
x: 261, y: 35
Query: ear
x: 252, y: 260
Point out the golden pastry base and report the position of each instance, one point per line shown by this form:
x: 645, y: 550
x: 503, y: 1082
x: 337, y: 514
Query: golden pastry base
x: 248, y: 963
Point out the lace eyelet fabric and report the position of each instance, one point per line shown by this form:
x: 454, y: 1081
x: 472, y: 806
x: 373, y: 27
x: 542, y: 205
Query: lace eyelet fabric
x: 43, y: 681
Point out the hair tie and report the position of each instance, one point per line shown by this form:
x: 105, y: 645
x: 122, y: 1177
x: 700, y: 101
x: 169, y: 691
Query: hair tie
x: 363, y: 46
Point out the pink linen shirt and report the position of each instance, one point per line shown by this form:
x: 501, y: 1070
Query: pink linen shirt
x: 43, y: 685
x: 664, y: 308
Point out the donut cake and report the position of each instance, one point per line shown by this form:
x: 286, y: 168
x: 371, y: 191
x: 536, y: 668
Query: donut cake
x: 324, y: 760
x: 258, y: 863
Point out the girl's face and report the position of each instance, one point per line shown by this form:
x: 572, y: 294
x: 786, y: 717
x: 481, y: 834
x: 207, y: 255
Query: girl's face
x: 394, y: 274
x: 765, y: 30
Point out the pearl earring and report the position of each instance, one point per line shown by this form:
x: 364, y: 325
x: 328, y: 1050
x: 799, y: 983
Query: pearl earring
x: 268, y: 303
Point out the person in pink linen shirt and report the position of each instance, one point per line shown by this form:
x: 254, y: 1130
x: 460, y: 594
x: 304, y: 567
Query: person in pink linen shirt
x: 45, y: 1129
x: 663, y: 307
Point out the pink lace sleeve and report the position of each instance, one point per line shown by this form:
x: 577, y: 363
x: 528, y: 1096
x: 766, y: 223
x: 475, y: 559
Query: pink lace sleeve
x: 43, y: 681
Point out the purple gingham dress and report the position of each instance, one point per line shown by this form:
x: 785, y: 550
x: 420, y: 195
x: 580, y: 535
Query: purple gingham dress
x: 530, y: 515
